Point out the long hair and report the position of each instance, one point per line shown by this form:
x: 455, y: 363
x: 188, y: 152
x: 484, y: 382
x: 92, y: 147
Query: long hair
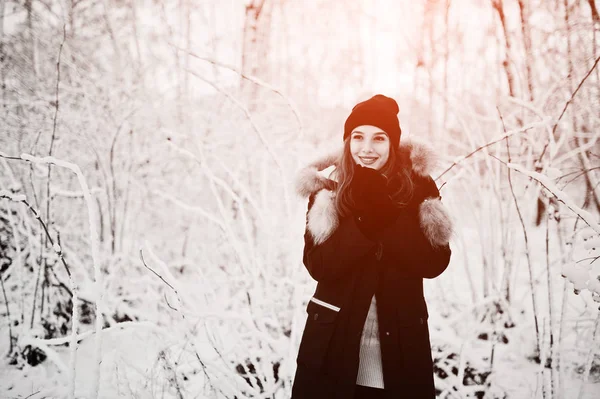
x: 398, y: 179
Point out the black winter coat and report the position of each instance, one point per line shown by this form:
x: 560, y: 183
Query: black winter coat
x: 350, y: 268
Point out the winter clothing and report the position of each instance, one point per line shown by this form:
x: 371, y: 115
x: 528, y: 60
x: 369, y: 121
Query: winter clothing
x: 351, y: 268
x: 362, y: 392
x: 373, y: 205
x: 370, y: 369
x: 380, y: 111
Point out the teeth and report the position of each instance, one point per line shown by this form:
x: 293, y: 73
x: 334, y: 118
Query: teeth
x: 368, y: 161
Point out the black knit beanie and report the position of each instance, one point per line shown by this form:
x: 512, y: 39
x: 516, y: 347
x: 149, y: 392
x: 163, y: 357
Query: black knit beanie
x: 380, y: 111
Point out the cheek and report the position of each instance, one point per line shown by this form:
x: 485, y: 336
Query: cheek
x: 385, y: 154
x: 354, y: 150
x: 384, y: 150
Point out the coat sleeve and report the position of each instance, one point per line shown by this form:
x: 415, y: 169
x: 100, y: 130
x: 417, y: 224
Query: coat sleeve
x: 330, y: 257
x: 418, y: 242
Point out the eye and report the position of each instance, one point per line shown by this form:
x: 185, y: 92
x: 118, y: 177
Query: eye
x: 357, y: 137
x: 380, y: 138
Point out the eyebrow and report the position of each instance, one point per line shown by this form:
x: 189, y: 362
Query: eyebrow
x: 376, y: 134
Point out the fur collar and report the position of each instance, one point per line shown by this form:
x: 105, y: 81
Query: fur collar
x: 322, y: 219
x: 414, y: 154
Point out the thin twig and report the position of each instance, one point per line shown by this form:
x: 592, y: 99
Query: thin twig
x: 243, y: 256
x: 578, y: 170
x: 10, y: 334
x: 73, y: 293
x: 252, y: 79
x: 21, y: 266
x: 55, y: 248
x: 165, y: 296
x: 30, y: 395
x: 574, y: 93
x: 112, y: 206
x: 55, y: 119
x: 37, y: 280
x: 95, y: 258
x: 567, y: 105
x: 590, y: 357
x: 508, y: 265
x: 44, y: 260
x: 563, y: 308
x: 512, y: 191
x: 550, y: 302
x: 157, y: 275
x: 507, y: 134
x: 579, y: 173
x: 80, y: 337
x: 73, y: 341
x: 586, y: 216
x: 264, y: 141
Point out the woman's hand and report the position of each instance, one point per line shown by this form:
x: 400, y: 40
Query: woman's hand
x: 374, y: 209
x: 369, y: 187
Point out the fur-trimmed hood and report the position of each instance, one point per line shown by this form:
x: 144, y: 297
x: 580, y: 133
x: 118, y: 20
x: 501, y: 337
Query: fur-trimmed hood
x: 413, y: 154
x: 323, y: 219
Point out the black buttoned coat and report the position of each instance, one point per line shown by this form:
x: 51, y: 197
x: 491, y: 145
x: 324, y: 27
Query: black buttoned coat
x: 350, y: 268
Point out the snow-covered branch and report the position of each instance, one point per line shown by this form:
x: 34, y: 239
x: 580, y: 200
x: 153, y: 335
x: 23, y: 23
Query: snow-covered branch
x: 560, y: 195
x: 94, y: 241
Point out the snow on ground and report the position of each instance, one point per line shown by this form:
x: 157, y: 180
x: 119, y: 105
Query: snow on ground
x: 168, y: 355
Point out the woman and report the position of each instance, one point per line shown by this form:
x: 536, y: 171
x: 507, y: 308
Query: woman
x: 371, y: 237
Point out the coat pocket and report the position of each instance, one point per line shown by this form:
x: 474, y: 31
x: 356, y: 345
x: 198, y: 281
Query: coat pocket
x: 319, y: 328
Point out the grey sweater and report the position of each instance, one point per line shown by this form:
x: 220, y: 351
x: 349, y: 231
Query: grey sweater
x: 370, y: 370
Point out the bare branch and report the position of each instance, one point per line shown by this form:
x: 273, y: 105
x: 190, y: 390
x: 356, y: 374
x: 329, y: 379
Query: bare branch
x: 568, y: 103
x: 587, y: 217
x: 252, y: 79
x: 527, y: 254
x: 56, y: 248
x: 495, y: 141
x: 157, y: 275
x: 10, y: 334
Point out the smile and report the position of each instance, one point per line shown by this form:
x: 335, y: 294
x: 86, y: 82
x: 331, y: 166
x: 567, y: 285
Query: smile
x: 368, y: 160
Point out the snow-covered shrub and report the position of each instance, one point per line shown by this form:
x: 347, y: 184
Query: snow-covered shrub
x: 584, y: 272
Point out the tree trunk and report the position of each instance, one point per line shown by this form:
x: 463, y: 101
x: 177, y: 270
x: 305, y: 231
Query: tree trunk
x: 212, y: 21
x: 594, y: 10
x: 419, y: 65
x: 525, y: 31
x: 33, y: 42
x: 429, y: 14
x: 498, y: 6
x: 71, y: 31
x: 165, y: 20
x: 3, y: 59
x: 592, y: 187
x: 255, y: 42
x: 109, y: 28
x: 446, y: 56
x: 186, y: 9
x: 137, y: 42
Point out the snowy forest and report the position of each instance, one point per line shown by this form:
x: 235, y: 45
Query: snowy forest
x: 150, y: 231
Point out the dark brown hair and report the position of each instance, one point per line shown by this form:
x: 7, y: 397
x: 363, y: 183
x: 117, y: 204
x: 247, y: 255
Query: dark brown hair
x: 395, y: 170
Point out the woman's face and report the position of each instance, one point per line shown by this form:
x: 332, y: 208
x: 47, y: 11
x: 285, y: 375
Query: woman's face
x: 369, y: 146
